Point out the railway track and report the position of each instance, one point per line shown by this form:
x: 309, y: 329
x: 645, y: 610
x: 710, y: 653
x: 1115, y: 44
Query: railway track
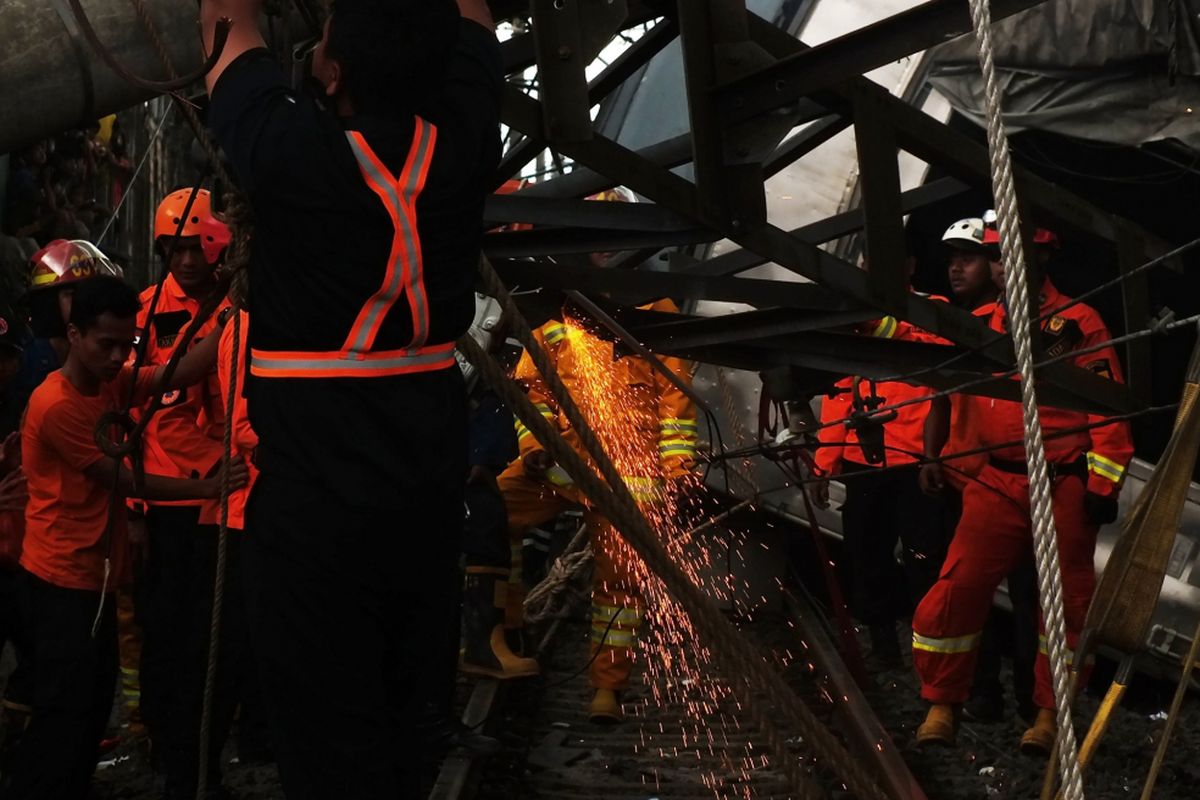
x: 551, y: 752
x: 664, y: 749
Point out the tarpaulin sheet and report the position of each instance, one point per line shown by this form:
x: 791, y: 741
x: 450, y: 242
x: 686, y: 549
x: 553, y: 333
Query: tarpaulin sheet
x: 1095, y: 69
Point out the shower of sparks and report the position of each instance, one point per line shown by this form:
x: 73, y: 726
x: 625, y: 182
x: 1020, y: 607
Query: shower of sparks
x: 680, y: 672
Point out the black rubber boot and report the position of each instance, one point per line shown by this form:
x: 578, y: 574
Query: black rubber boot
x: 486, y: 652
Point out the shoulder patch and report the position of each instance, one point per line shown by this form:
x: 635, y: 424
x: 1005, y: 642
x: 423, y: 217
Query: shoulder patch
x: 174, y: 397
x: 1056, y: 324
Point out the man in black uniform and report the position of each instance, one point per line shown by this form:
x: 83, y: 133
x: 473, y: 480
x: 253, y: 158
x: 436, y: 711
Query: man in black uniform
x: 368, y: 221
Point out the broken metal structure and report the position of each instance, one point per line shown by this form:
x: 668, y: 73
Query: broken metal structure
x: 758, y: 103
x: 749, y: 85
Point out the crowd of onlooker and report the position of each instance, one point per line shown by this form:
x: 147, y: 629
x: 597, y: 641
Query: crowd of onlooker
x: 64, y: 187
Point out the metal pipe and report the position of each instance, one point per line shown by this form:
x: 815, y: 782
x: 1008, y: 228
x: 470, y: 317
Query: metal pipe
x: 51, y: 79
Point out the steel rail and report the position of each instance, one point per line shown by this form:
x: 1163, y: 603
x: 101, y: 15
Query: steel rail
x: 852, y: 714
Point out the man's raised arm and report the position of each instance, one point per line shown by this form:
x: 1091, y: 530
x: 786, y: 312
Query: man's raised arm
x: 243, y: 36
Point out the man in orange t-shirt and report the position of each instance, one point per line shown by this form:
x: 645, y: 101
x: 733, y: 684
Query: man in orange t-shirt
x: 75, y: 532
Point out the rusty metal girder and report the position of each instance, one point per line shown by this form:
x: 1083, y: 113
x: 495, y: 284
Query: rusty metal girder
x: 727, y: 197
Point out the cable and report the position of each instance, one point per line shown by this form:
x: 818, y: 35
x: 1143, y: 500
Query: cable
x: 133, y: 178
x: 1071, y: 303
x: 769, y: 452
x: 1150, y: 331
x: 591, y: 660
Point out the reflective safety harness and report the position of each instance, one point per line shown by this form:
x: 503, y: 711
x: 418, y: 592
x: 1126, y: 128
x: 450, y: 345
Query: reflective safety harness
x: 405, y: 277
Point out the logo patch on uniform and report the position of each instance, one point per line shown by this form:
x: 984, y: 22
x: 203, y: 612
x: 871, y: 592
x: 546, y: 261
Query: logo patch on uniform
x: 173, y: 397
x: 1101, y: 367
x: 1056, y: 324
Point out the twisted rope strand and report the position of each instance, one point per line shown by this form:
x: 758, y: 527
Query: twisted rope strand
x: 1040, y: 484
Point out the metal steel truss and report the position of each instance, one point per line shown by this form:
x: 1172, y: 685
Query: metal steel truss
x: 749, y: 85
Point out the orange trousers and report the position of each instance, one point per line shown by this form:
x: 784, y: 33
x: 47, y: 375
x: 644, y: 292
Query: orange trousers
x: 616, y: 606
x: 992, y: 536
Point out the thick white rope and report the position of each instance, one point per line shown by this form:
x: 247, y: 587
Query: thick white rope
x: 1017, y: 293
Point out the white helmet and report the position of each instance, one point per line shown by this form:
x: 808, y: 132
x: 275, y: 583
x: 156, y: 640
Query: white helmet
x: 966, y: 234
x: 483, y: 330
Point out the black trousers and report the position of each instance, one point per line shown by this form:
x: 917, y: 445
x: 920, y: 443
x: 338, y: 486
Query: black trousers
x: 74, y: 678
x: 485, y: 530
x: 174, y: 605
x: 19, y: 689
x: 881, y: 508
x: 350, y: 610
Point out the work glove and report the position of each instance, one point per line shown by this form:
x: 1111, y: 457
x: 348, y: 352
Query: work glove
x: 1099, y: 509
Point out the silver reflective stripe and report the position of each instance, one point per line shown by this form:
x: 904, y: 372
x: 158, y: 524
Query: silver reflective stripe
x: 268, y: 364
x: 390, y: 292
x: 417, y: 279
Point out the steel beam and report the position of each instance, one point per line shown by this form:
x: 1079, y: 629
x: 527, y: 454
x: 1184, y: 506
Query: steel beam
x: 1135, y: 300
x: 563, y: 241
x: 828, y: 229
x: 879, y: 173
x: 850, y: 56
x: 727, y: 191
x: 582, y: 181
x: 746, y: 326
x: 776, y: 245
x: 803, y: 143
x: 638, y: 286
x: 507, y: 209
x: 935, y: 143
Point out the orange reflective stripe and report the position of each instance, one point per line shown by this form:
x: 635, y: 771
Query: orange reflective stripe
x: 272, y: 364
x: 405, y: 269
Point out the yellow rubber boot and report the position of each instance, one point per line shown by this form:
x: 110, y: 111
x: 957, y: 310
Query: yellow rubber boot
x: 1039, y: 740
x: 486, y: 651
x: 605, y: 708
x: 940, y: 726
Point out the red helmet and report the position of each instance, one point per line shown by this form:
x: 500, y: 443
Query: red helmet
x: 215, y: 236
x: 65, y: 261
x: 1041, y: 236
x: 1046, y: 238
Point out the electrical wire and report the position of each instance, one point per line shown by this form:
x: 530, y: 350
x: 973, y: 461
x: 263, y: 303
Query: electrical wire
x: 1071, y: 303
x: 771, y: 452
x: 1154, y: 329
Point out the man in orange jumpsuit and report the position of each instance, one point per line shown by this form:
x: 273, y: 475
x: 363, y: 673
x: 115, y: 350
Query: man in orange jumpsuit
x: 181, y: 441
x: 1087, y: 470
x: 882, y: 506
x: 648, y: 428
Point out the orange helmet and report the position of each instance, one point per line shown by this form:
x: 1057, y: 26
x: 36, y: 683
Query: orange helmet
x: 166, y: 219
x: 66, y: 261
x: 214, y: 234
